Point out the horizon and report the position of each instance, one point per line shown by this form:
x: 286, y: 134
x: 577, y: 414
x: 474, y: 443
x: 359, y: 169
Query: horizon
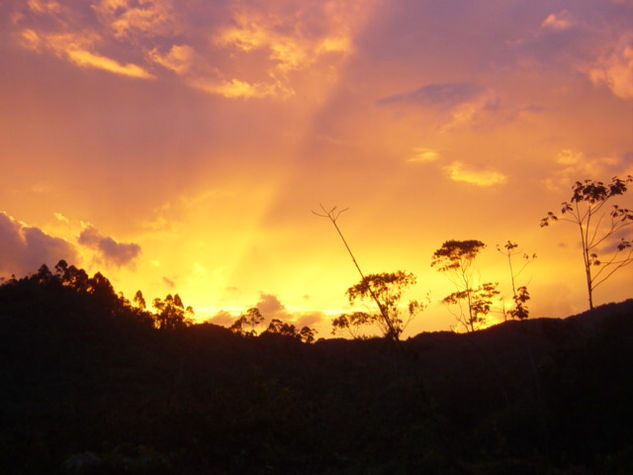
x: 182, y: 147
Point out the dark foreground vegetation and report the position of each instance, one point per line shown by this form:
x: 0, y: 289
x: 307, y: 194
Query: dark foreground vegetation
x: 88, y: 384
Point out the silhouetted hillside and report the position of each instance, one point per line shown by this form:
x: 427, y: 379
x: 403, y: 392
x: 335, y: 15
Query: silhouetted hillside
x: 89, y: 385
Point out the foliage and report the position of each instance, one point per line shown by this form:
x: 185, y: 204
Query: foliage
x: 277, y: 327
x: 520, y: 298
x: 479, y: 302
x: 247, y: 323
x: 251, y: 319
x: 455, y: 259
x: 386, y: 290
x: 456, y: 255
x: 89, y: 385
x: 600, y: 230
x: 520, y: 295
x: 171, y: 313
x: 139, y: 300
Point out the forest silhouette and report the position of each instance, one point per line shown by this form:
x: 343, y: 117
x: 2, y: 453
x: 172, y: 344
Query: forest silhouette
x: 93, y: 383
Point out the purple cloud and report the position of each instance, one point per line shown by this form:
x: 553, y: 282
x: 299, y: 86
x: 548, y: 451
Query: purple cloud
x: 443, y: 95
x: 111, y: 251
x: 24, y: 249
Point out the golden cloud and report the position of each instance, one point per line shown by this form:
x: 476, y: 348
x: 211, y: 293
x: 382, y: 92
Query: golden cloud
x: 287, y: 42
x: 76, y: 49
x: 234, y: 88
x: 576, y: 165
x: 615, y: 71
x: 179, y: 58
x: 557, y: 21
x: 421, y: 154
x: 42, y: 7
x: 87, y: 59
x: 146, y: 17
x: 457, y: 171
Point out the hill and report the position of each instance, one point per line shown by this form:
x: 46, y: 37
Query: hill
x: 89, y: 385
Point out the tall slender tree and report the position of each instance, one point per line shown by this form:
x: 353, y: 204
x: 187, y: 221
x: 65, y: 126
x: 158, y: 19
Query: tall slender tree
x: 520, y: 295
x: 370, y: 284
x: 601, y: 229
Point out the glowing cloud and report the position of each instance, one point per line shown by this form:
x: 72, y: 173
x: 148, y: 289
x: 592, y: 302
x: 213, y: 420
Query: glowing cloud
x: 557, y: 21
x: 75, y: 48
x: 87, y: 59
x: 234, y: 88
x: 615, y: 70
x: 290, y: 43
x: 457, y: 171
x: 179, y: 58
x: 424, y: 155
x: 61, y: 217
x: 146, y: 18
x: 576, y: 165
x: 42, y: 7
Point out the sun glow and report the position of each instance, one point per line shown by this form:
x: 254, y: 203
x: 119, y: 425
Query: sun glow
x: 181, y: 150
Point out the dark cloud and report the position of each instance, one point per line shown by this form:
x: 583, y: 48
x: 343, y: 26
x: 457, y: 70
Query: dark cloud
x: 170, y: 283
x: 222, y: 318
x: 443, y: 95
x: 270, y: 305
x: 309, y: 319
x: 110, y: 251
x: 24, y: 249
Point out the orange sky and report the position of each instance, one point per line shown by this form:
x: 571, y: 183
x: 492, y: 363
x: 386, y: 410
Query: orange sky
x: 179, y: 146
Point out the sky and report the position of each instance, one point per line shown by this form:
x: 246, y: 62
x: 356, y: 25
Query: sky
x: 181, y: 146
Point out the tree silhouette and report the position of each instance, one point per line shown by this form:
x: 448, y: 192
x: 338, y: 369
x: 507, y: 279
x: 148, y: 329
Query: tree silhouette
x: 277, y: 327
x: 251, y: 318
x: 520, y: 295
x: 455, y: 259
x: 386, y: 321
x: 387, y: 289
x: 139, y: 300
x: 171, y: 313
x: 600, y: 229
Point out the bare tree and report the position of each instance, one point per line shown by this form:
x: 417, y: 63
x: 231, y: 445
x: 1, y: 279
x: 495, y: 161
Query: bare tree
x: 600, y: 229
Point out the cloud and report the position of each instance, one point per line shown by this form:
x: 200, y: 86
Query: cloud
x: 145, y: 18
x: 270, y: 305
x: 109, y: 250
x: 557, y: 21
x: 238, y: 50
x: 424, y: 155
x: 222, y: 318
x: 288, y: 42
x: 76, y: 48
x: 575, y: 165
x: 457, y: 171
x: 309, y: 319
x: 178, y: 59
x: 24, y: 249
x: 234, y: 88
x: 42, y: 7
x: 87, y: 59
x: 442, y: 95
x: 169, y: 283
x: 615, y: 70
x: 61, y: 217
